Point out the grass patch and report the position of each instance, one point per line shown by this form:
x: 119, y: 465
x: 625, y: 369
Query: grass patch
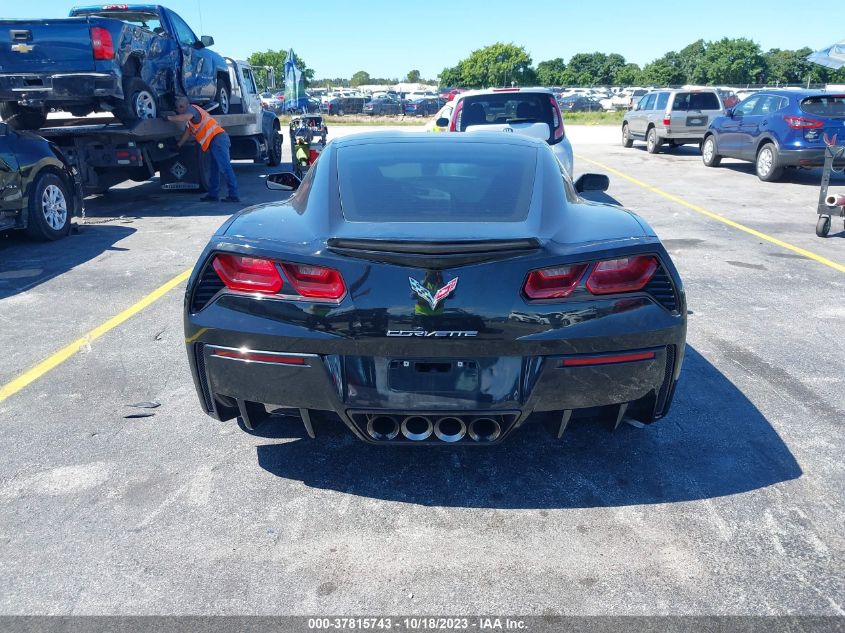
x: 594, y: 118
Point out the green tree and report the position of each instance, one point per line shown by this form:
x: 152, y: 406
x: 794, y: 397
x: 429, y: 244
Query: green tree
x: 361, y: 78
x: 666, y: 71
x: 691, y: 62
x: 493, y: 65
x: 611, y: 66
x: 414, y: 76
x: 586, y: 69
x: 733, y: 61
x: 551, y: 72
x: 276, y: 59
x: 792, y: 67
x: 628, y: 75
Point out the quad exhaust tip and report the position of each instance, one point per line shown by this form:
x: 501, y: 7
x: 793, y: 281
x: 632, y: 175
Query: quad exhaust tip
x: 417, y: 428
x: 383, y: 427
x: 484, y: 430
x: 450, y: 429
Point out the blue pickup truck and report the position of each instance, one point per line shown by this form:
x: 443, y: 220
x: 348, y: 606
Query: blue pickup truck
x: 128, y: 59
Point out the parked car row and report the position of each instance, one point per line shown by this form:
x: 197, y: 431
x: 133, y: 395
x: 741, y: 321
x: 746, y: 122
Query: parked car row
x: 774, y: 129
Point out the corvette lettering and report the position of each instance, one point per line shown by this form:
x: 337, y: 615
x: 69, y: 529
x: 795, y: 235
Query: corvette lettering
x: 434, y: 333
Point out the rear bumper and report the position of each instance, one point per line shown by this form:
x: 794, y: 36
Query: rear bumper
x: 38, y: 89
x: 809, y: 157
x: 637, y: 382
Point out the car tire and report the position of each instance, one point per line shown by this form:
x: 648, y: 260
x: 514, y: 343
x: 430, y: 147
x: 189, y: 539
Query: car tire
x: 766, y: 165
x: 50, y: 208
x: 139, y: 102
x: 652, y: 141
x: 274, y: 151
x: 223, y: 97
x: 823, y: 226
x: 627, y: 140
x: 19, y: 117
x: 709, y: 155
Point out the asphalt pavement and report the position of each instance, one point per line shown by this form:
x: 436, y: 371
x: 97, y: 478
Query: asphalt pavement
x: 733, y: 504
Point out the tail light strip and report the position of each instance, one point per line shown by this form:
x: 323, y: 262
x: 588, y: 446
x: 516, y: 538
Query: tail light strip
x: 611, y: 276
x: 607, y: 359
x: 272, y: 358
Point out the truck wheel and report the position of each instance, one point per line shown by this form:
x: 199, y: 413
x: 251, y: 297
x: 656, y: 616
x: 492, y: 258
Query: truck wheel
x: 20, y: 117
x: 222, y: 97
x: 627, y: 141
x: 652, y: 141
x: 274, y: 151
x: 139, y: 102
x: 49, y: 211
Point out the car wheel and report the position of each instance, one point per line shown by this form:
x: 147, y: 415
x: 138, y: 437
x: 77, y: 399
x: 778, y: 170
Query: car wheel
x: 49, y: 209
x: 823, y: 226
x: 709, y: 156
x: 19, y: 117
x: 627, y: 141
x: 340, y: 112
x: 767, y: 166
x: 223, y: 97
x: 139, y: 102
x: 274, y: 152
x: 653, y: 142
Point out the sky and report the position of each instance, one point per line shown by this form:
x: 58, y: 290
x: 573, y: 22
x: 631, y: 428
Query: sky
x: 388, y: 38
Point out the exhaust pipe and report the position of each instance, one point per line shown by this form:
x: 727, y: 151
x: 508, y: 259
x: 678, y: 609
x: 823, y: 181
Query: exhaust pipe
x: 835, y: 200
x: 450, y: 429
x: 382, y: 427
x: 484, y: 430
x: 417, y: 428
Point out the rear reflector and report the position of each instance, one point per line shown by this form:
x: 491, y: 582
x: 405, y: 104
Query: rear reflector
x: 614, y: 359
x: 259, y: 357
x: 248, y: 274
x: 553, y: 283
x: 626, y: 274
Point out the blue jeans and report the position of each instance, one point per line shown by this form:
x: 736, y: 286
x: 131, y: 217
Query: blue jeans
x: 220, y: 161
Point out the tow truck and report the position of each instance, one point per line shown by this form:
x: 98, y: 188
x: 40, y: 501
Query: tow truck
x: 107, y: 152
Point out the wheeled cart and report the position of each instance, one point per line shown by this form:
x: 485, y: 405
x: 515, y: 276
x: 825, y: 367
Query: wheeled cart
x: 829, y: 206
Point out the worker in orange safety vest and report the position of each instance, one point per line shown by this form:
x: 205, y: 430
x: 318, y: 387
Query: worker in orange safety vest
x: 211, y: 137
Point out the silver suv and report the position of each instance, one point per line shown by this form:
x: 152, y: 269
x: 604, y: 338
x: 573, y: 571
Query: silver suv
x: 677, y: 117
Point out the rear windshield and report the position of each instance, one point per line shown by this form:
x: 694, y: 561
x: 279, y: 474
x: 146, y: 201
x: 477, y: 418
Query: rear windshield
x: 506, y: 107
x: 436, y: 182
x: 696, y: 101
x: 145, y: 20
x: 824, y: 105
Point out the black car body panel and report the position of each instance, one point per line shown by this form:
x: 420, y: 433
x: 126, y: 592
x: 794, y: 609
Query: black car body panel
x: 486, y: 355
x: 24, y: 156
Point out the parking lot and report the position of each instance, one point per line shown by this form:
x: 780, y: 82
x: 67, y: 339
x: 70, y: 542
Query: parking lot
x: 733, y: 504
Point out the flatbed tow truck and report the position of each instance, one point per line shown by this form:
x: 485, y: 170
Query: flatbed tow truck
x: 106, y: 152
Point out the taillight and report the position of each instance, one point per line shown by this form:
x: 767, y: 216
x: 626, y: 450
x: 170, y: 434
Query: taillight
x: 249, y: 274
x: 316, y: 282
x: 456, y: 117
x: 553, y: 283
x: 557, y: 119
x: 626, y: 274
x: 101, y: 43
x: 802, y: 123
x: 667, y: 120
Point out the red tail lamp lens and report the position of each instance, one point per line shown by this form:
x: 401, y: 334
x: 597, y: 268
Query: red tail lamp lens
x: 626, y: 274
x: 553, y: 283
x: 316, y: 282
x: 102, y: 44
x: 249, y: 274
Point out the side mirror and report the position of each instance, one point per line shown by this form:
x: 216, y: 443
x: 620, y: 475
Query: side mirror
x: 285, y: 181
x: 729, y: 112
x: 4, y: 129
x: 592, y: 182
x: 207, y: 40
x: 442, y: 122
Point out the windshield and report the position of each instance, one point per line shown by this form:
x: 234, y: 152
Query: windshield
x: 436, y: 182
x: 508, y: 107
x: 824, y: 105
x: 145, y: 20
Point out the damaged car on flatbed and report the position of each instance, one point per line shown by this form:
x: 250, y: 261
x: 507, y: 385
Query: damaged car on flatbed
x: 435, y: 289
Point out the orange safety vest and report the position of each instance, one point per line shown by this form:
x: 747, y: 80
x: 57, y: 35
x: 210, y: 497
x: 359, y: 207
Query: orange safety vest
x: 205, y: 130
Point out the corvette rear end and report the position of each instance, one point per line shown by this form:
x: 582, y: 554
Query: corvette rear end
x: 437, y: 290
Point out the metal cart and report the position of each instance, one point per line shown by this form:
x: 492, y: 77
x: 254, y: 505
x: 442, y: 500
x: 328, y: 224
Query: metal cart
x: 308, y: 134
x: 829, y: 205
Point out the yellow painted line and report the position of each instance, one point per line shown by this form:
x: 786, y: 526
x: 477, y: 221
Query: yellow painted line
x: 48, y: 364
x: 720, y: 218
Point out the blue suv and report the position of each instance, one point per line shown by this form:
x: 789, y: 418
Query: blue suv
x: 776, y: 129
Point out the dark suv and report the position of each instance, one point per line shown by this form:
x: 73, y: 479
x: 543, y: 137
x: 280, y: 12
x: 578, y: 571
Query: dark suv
x: 777, y: 129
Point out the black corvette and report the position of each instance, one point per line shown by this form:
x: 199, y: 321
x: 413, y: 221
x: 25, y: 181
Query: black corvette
x: 436, y: 288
